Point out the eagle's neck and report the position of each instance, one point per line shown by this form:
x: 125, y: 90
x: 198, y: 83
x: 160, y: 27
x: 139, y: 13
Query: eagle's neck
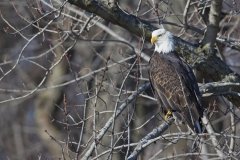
x: 165, y: 43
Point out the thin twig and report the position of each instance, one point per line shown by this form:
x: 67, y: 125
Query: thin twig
x: 233, y: 127
x: 213, y: 137
x: 31, y: 92
x: 110, y: 121
x: 185, y: 14
x: 118, y: 99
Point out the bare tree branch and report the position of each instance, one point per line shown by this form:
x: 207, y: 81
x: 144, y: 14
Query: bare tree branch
x: 220, y: 88
x: 213, y: 26
x: 111, y: 119
x: 214, y: 140
x: 82, y: 72
x: 214, y: 69
x: 185, y: 13
x: 233, y: 127
x: 116, y: 15
x: 144, y: 142
x: 211, y: 68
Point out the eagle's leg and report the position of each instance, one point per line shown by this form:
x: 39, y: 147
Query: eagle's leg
x: 168, y: 115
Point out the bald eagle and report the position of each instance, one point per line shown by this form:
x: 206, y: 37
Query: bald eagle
x: 174, y: 83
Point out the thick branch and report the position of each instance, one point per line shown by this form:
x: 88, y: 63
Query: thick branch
x: 214, y: 69
x: 213, y: 26
x: 220, y: 88
x: 228, y: 89
x: 116, y: 15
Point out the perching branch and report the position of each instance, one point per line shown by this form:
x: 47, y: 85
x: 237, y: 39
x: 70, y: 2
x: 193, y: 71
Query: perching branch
x: 144, y: 141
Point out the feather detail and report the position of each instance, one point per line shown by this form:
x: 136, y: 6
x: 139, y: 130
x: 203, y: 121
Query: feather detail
x: 175, y: 87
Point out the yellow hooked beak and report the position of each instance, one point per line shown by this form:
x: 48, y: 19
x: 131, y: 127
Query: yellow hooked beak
x: 154, y: 39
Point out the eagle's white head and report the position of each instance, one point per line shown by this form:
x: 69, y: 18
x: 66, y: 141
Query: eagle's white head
x: 163, y: 41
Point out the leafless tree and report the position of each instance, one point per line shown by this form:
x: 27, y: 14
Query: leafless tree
x: 74, y: 79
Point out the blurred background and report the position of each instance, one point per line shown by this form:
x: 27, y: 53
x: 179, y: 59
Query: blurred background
x: 64, y: 72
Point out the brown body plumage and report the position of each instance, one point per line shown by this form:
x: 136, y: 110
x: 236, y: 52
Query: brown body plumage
x: 176, y: 87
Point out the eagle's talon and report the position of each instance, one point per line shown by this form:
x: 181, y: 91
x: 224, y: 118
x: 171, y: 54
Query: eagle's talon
x: 168, y: 115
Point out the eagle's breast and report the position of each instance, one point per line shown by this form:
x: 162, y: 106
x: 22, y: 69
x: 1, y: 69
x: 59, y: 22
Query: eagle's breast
x: 164, y: 76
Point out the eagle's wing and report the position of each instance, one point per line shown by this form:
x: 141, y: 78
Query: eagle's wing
x: 192, y: 95
x: 194, y: 89
x: 175, y: 86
